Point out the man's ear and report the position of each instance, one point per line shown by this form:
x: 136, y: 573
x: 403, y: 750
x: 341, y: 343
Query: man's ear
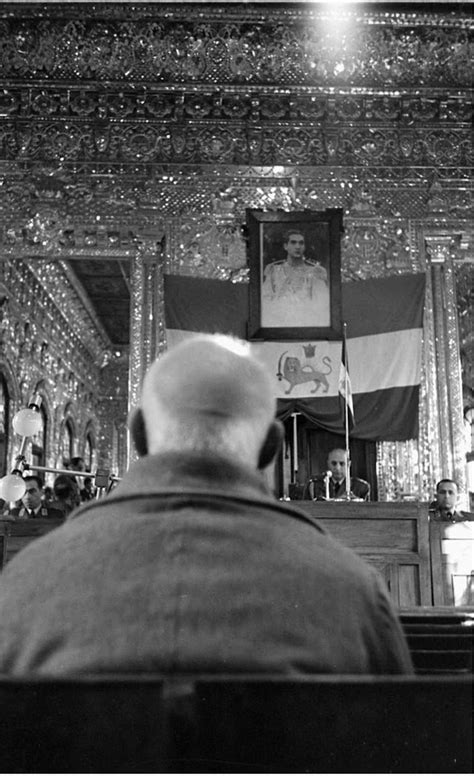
x: 136, y: 424
x: 272, y: 444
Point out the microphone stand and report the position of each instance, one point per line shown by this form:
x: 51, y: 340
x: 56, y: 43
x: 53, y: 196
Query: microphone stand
x: 294, y: 473
x: 327, y: 477
x: 346, y: 423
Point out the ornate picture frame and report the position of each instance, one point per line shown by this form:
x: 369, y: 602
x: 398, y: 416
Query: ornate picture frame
x: 295, y: 274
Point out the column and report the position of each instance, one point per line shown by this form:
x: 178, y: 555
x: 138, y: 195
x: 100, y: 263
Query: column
x: 439, y: 248
x: 147, y: 324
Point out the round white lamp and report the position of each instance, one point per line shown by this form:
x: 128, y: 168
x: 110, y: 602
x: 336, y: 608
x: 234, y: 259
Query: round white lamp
x: 12, y: 487
x: 27, y: 422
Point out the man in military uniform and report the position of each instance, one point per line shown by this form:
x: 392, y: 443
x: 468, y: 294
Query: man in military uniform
x: 32, y: 504
x: 443, y: 507
x: 316, y: 487
x: 295, y: 291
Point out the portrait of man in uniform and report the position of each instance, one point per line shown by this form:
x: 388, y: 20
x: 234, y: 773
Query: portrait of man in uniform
x: 295, y: 290
x: 294, y: 260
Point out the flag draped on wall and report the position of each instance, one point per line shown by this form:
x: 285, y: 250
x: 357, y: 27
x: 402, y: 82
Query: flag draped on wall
x: 384, y: 320
x: 345, y: 387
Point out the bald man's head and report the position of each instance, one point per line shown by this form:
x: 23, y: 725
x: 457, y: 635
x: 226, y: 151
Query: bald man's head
x: 209, y: 392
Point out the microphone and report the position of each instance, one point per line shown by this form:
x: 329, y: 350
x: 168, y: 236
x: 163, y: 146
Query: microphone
x: 327, y: 477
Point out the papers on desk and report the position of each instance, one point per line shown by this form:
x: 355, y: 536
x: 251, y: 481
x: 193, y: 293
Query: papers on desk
x: 457, y: 547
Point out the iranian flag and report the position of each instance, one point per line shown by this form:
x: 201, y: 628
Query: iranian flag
x: 345, y: 385
x: 384, y: 320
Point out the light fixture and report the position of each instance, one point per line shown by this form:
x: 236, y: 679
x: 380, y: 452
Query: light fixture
x: 12, y: 486
x: 26, y: 423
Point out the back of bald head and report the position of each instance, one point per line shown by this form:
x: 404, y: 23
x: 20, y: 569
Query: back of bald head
x: 208, y: 386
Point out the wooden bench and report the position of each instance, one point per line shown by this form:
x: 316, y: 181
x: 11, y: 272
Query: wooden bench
x: 330, y: 724
x: 441, y: 640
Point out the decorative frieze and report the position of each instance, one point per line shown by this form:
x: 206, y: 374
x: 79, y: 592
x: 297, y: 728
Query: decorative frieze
x: 237, y: 143
x: 170, y: 108
x: 240, y: 45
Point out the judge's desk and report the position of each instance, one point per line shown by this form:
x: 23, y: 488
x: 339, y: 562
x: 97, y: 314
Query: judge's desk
x: 424, y: 563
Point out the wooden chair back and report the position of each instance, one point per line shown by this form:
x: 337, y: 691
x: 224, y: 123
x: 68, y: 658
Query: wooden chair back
x: 336, y: 724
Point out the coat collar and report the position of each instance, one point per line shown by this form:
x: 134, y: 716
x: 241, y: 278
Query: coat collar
x: 184, y: 473
x: 191, y: 472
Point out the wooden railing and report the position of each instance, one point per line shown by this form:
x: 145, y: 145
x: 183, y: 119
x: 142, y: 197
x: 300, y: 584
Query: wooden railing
x: 410, y: 552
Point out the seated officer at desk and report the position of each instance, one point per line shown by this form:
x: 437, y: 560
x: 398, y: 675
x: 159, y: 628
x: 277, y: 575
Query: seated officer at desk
x: 32, y: 505
x: 316, y: 487
x: 443, y: 507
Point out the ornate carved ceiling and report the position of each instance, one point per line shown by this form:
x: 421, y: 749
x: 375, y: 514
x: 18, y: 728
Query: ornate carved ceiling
x: 119, y: 119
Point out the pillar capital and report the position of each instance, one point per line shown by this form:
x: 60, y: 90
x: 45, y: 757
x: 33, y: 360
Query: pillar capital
x: 150, y: 244
x: 439, y: 246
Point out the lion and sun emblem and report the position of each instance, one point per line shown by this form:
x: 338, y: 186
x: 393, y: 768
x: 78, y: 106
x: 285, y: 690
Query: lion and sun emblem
x: 297, y: 371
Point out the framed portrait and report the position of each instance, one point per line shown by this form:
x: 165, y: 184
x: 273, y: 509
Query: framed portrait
x: 295, y: 274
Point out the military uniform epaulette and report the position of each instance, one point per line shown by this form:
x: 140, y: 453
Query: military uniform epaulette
x: 359, y: 479
x: 279, y: 262
x: 44, y: 512
x: 457, y: 516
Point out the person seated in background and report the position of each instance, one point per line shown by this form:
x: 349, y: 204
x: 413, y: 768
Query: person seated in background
x: 77, y: 464
x: 191, y: 564
x: 32, y: 504
x: 336, y: 476
x: 47, y: 495
x: 66, y: 494
x: 88, y: 491
x: 444, y: 506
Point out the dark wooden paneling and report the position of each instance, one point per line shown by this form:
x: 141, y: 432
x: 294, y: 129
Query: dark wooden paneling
x: 20, y: 532
x: 3, y: 547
